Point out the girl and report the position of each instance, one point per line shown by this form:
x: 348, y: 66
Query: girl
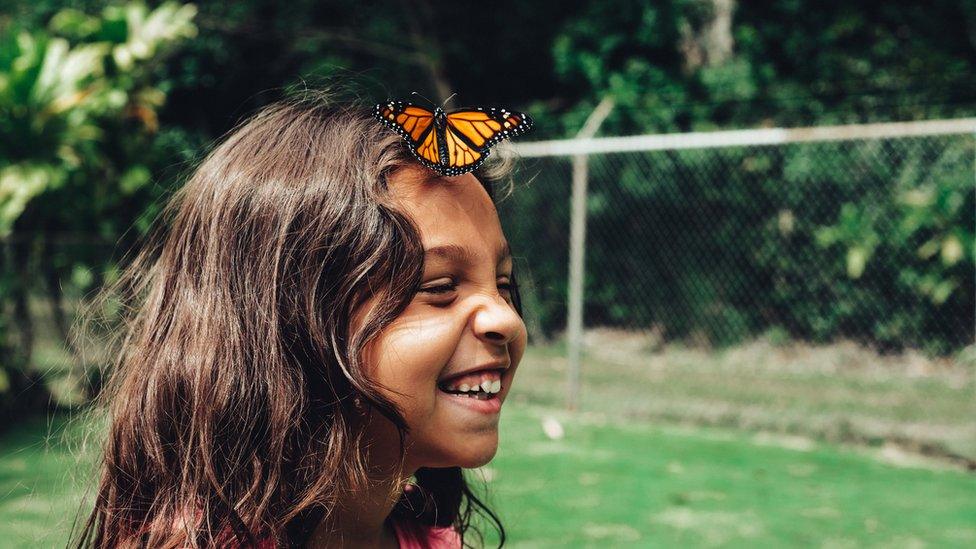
x: 303, y: 343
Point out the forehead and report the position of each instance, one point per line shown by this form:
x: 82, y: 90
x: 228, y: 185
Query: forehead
x: 449, y: 210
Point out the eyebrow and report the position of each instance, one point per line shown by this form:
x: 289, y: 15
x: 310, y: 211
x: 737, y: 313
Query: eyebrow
x: 460, y: 254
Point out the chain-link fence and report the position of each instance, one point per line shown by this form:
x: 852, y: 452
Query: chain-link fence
x: 816, y: 281
x: 857, y: 234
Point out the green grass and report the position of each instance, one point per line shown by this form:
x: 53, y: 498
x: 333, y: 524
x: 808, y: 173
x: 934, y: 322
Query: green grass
x: 611, y: 483
x: 42, y: 482
x: 840, y: 393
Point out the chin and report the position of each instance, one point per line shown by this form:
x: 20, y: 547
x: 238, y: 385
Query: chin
x: 474, y: 461
x: 472, y: 456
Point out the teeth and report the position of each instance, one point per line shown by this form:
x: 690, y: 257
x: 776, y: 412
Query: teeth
x: 487, y: 387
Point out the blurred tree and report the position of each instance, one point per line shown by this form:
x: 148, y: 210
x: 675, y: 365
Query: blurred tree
x: 78, y: 105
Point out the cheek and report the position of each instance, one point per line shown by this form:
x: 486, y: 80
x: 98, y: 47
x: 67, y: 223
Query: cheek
x: 409, y: 357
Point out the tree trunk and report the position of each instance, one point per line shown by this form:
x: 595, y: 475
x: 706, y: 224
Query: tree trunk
x: 52, y: 279
x: 706, y: 34
x: 25, y: 392
x: 17, y: 252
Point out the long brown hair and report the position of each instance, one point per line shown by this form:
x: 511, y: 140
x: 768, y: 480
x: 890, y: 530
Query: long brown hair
x: 230, y: 398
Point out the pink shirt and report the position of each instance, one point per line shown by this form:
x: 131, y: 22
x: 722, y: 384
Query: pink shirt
x: 418, y: 537
x: 436, y: 538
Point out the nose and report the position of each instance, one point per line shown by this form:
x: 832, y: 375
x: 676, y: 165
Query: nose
x: 495, y: 320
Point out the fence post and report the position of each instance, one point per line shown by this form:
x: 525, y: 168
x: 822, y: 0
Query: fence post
x: 577, y: 241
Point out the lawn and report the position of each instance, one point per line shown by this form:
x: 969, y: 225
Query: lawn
x: 765, y: 444
x: 841, y: 393
x: 42, y: 481
x: 611, y: 483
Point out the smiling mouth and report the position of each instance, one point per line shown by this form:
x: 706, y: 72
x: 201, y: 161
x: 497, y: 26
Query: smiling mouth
x: 480, y: 386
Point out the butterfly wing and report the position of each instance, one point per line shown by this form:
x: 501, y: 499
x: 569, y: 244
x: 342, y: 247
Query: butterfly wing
x: 471, y: 132
x: 461, y: 157
x: 416, y: 125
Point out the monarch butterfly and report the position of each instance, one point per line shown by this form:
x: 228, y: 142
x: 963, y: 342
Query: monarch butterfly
x: 451, y: 143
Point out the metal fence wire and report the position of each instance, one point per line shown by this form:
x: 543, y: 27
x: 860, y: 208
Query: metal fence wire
x: 859, y: 233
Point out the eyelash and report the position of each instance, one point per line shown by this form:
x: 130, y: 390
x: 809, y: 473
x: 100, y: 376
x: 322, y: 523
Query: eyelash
x: 444, y: 288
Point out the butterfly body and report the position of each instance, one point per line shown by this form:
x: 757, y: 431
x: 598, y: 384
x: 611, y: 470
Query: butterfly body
x: 440, y: 125
x: 451, y: 143
x: 440, y: 118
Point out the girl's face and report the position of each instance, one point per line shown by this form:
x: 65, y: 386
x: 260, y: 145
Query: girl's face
x: 461, y: 319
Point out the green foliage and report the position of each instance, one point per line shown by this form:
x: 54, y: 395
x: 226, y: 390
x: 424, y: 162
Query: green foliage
x: 62, y: 91
x: 78, y: 112
x: 791, y: 63
x: 865, y: 240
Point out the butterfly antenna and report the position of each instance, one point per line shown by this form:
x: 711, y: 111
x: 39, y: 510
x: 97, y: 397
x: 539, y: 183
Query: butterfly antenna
x: 424, y: 98
x: 448, y: 99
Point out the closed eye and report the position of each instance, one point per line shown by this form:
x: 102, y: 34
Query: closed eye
x: 446, y: 288
x: 442, y: 289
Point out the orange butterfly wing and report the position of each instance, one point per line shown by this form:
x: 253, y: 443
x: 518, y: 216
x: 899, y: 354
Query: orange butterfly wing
x: 416, y: 125
x: 470, y: 133
x: 459, y: 154
x: 428, y: 150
